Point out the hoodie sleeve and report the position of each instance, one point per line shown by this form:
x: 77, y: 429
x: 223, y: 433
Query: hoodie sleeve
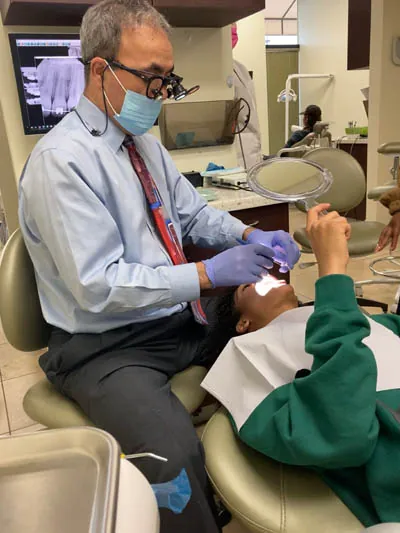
x: 326, y: 419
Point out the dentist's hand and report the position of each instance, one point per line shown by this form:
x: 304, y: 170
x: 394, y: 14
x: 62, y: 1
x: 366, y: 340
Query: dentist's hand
x: 286, y: 251
x: 239, y: 265
x: 328, y: 236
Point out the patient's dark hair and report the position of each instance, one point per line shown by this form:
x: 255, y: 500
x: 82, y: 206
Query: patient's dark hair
x: 224, y: 327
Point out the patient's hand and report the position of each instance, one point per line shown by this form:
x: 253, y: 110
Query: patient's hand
x: 329, y: 235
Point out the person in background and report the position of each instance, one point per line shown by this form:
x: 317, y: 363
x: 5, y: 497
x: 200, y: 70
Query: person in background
x: 312, y: 115
x: 105, y: 213
x: 390, y: 234
x: 248, y: 143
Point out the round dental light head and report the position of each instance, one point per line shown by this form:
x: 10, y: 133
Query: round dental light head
x: 267, y: 283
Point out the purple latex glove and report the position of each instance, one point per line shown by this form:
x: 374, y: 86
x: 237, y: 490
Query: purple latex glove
x: 286, y: 251
x: 238, y: 265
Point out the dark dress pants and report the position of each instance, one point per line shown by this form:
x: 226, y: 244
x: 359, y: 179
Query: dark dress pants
x: 120, y: 379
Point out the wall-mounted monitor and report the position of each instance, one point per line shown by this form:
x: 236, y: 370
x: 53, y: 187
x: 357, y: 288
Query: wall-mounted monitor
x: 49, y: 75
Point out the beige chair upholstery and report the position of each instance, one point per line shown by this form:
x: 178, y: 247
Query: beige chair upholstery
x: 324, y: 136
x: 20, y: 310
x: 377, y: 192
x: 298, y: 149
x: 392, y: 148
x: 48, y: 407
x: 266, y: 496
x: 347, y: 191
x: 26, y: 330
x: 363, y: 241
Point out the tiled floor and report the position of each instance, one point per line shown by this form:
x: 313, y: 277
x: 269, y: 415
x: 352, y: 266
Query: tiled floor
x: 18, y: 372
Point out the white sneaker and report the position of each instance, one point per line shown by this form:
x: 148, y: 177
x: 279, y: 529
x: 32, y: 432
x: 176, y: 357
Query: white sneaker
x: 395, y: 308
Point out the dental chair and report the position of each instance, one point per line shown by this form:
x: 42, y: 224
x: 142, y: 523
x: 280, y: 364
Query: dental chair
x: 266, y: 496
x: 270, y: 497
x: 320, y: 137
x: 347, y: 191
x: 26, y: 330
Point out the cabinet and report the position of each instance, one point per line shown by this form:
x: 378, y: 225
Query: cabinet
x: 207, y: 13
x: 359, y: 34
x: 184, y: 13
x: 267, y: 218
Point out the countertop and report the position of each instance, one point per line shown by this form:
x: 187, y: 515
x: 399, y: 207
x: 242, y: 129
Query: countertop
x: 235, y: 200
x: 349, y: 139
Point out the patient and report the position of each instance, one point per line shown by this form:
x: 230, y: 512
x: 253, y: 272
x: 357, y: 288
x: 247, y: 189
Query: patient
x: 317, y: 386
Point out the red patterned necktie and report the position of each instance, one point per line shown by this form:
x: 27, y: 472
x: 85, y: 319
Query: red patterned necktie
x: 161, y: 219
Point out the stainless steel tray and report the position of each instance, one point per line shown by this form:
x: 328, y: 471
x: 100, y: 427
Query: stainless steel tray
x: 61, y: 481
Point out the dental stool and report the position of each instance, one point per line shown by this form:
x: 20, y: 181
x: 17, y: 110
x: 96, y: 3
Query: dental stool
x: 391, y: 149
x: 388, y: 275
x: 25, y: 329
x: 266, y: 496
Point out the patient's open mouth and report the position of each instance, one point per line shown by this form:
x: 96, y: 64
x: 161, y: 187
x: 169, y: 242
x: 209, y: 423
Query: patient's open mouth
x: 267, y: 283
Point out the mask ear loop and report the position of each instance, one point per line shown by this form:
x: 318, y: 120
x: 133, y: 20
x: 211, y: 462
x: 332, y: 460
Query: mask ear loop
x: 104, y: 92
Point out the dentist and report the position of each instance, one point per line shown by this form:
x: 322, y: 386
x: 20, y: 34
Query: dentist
x: 104, y: 213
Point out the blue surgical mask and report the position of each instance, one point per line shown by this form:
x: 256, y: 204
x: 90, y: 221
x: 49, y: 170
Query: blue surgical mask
x: 138, y: 113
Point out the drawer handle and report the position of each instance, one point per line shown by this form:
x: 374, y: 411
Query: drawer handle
x: 254, y: 224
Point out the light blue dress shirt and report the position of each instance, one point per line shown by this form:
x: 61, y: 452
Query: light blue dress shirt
x: 98, y: 260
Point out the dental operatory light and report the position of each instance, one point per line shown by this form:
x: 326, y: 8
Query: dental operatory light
x: 292, y: 96
x: 268, y: 283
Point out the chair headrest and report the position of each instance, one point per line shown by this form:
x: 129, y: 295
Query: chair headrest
x: 320, y: 127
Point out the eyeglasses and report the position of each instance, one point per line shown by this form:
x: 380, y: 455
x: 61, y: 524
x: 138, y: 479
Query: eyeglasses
x: 156, y: 83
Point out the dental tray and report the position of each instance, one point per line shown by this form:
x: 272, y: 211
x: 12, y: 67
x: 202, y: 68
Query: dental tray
x: 59, y: 481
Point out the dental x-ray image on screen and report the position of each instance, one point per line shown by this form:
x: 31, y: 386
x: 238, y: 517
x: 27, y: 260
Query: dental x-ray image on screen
x: 49, y: 75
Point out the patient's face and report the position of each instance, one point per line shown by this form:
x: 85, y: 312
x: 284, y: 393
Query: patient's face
x: 258, y: 311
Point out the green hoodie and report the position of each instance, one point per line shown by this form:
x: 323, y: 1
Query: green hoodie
x: 333, y: 420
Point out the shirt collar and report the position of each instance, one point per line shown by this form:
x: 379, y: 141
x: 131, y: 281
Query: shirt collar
x: 95, y: 119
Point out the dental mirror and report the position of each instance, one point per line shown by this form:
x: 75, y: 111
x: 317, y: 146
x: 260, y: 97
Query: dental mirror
x: 290, y: 180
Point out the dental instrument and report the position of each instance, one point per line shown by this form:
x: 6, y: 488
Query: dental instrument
x: 142, y: 455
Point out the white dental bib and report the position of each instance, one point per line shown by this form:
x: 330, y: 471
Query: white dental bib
x: 255, y: 364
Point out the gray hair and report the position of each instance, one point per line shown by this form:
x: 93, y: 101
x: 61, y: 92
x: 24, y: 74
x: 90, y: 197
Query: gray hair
x: 103, y: 23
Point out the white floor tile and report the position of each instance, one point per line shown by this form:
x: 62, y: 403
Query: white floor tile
x: 29, y: 429
x: 2, y: 337
x: 14, y: 391
x: 14, y: 364
x: 4, y: 429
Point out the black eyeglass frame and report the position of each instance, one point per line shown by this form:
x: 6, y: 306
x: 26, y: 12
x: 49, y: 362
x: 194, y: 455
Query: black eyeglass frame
x: 148, y: 77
